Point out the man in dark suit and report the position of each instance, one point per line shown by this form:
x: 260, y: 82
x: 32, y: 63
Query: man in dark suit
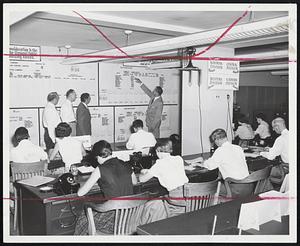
x: 155, y: 108
x: 83, y: 116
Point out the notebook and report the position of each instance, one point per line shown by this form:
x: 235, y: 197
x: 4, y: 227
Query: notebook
x: 36, y: 181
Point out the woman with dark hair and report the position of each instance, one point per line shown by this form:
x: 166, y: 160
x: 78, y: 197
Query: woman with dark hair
x: 262, y: 131
x: 244, y: 132
x: 70, y: 149
x: 25, y: 151
x: 114, y: 177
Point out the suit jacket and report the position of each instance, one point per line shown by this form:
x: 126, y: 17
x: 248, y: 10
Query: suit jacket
x: 154, y: 110
x: 83, y: 119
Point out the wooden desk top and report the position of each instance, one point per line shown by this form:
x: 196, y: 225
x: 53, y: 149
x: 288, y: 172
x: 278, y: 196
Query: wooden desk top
x: 198, y: 222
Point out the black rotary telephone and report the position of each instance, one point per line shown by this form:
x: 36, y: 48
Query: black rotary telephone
x: 66, y: 184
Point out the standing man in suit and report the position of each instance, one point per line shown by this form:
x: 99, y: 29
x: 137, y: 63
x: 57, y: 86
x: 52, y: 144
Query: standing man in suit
x: 155, y: 107
x: 83, y: 116
x: 67, y: 112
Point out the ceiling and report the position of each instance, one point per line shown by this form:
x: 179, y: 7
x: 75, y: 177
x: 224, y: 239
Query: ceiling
x: 58, y: 29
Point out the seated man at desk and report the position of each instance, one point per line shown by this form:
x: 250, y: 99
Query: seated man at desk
x: 171, y: 174
x: 280, y: 148
x: 140, y: 139
x: 229, y: 158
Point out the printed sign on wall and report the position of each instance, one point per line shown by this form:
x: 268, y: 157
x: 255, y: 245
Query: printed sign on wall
x: 223, y: 75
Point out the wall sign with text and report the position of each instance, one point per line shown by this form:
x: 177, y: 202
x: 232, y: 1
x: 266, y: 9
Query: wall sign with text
x: 223, y: 75
x: 20, y: 50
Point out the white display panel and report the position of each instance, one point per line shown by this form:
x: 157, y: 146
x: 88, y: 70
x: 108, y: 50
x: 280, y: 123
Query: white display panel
x: 124, y: 116
x: 117, y: 86
x: 31, y: 82
x: 27, y: 118
x: 102, y: 124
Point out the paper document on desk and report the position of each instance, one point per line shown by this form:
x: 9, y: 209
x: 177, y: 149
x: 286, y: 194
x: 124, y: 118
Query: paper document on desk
x: 193, y: 161
x: 253, y: 155
x: 36, y: 181
x: 253, y: 214
x: 276, y: 196
x: 84, y: 169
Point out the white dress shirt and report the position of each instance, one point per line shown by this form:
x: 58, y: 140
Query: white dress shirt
x: 245, y: 132
x: 70, y: 150
x: 27, y: 152
x: 140, y: 139
x: 231, y: 161
x: 51, y: 119
x: 280, y: 147
x: 67, y: 112
x: 263, y: 130
x: 170, y: 172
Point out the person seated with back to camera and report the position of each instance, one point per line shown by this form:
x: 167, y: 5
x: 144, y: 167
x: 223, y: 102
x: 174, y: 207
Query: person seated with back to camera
x: 262, y: 131
x: 70, y: 149
x: 280, y: 148
x: 114, y: 177
x: 244, y: 132
x: 171, y: 174
x: 140, y: 139
x: 25, y: 151
x: 228, y: 158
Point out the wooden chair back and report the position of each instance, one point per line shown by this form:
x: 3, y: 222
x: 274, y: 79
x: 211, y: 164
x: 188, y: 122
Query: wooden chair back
x: 255, y: 183
x: 201, y: 195
x: 24, y: 171
x: 128, y: 210
x: 27, y: 170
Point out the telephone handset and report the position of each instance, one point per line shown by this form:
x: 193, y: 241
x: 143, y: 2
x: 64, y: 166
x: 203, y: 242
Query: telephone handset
x: 66, y: 184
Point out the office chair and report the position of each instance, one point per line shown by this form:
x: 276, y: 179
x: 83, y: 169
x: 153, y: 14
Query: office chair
x: 255, y: 183
x: 24, y: 171
x: 128, y: 210
x: 201, y: 195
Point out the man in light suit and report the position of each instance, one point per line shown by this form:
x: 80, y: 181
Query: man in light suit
x: 83, y: 116
x: 155, y: 108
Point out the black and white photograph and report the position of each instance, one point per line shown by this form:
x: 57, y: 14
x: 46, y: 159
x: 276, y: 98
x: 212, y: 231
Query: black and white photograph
x: 131, y: 122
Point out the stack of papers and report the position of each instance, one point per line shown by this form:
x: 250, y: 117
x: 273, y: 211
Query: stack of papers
x: 279, y: 197
x: 36, y: 181
x: 85, y: 169
x: 193, y: 161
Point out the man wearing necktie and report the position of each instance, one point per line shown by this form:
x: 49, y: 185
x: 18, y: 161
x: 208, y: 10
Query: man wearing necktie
x: 155, y: 107
x: 83, y: 116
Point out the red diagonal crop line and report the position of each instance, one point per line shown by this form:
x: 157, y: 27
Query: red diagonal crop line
x: 223, y: 34
x: 103, y: 34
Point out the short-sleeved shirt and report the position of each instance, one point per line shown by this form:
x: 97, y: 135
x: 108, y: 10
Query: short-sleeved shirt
x: 245, y: 132
x: 70, y: 150
x: 27, y: 152
x: 263, y: 130
x: 115, y: 180
x: 140, y: 140
x: 170, y: 172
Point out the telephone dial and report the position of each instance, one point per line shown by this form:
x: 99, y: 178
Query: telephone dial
x: 66, y: 184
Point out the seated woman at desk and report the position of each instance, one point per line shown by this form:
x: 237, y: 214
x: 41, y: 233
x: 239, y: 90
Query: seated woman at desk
x: 244, y: 132
x: 114, y: 177
x: 171, y: 174
x: 25, y: 151
x: 262, y: 131
x: 70, y: 149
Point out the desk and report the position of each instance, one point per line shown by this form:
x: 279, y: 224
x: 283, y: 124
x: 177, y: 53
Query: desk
x: 50, y: 214
x: 200, y: 222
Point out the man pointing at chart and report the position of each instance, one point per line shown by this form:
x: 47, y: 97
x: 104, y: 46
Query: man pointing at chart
x: 155, y: 107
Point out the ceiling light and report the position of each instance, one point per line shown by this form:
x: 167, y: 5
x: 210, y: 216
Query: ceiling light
x: 280, y: 72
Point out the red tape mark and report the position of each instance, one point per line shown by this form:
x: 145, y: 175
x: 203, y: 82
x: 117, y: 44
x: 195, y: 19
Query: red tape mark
x: 93, y: 25
x: 223, y: 34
